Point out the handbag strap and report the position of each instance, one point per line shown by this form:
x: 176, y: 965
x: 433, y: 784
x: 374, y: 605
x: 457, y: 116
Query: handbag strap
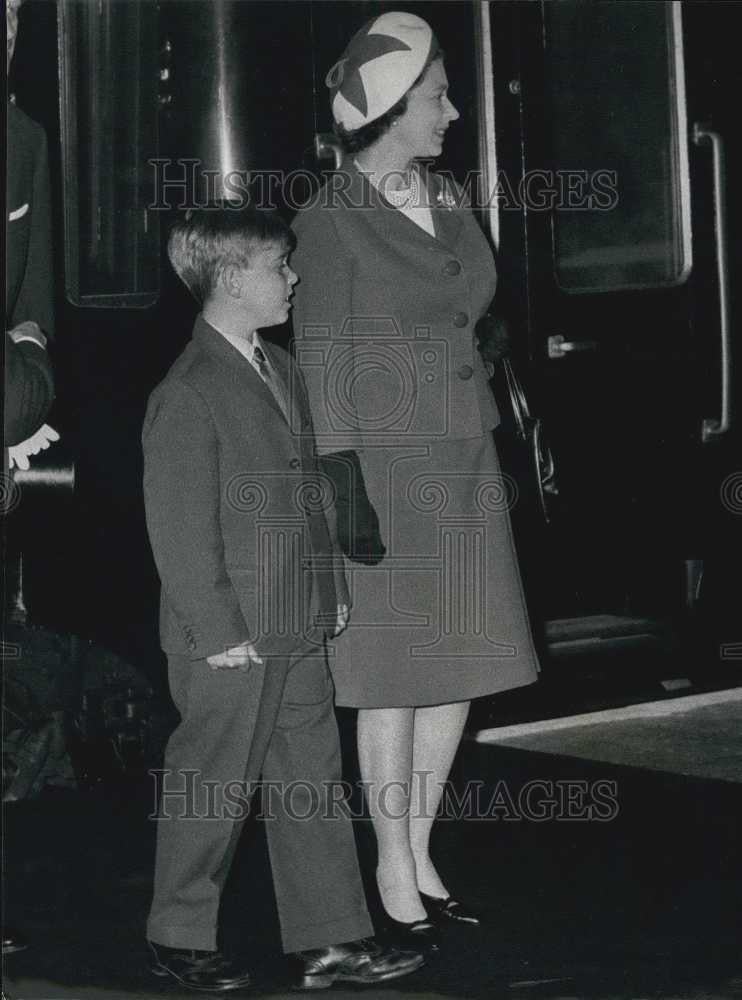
x: 519, y: 403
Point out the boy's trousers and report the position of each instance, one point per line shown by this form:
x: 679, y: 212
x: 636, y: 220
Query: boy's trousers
x: 275, y: 719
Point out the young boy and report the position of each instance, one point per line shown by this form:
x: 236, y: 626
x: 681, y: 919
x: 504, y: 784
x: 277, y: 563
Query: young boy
x: 251, y: 585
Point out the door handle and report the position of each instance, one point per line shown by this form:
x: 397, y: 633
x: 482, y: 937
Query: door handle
x: 326, y: 145
x: 558, y: 347
x: 711, y: 428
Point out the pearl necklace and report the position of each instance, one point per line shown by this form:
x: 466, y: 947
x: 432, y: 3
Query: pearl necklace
x: 402, y: 198
x: 406, y: 197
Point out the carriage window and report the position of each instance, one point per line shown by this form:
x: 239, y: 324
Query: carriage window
x: 108, y: 59
x: 616, y: 88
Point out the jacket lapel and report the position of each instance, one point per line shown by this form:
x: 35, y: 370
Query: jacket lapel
x: 446, y: 210
x: 281, y: 371
x: 219, y: 347
x: 393, y: 224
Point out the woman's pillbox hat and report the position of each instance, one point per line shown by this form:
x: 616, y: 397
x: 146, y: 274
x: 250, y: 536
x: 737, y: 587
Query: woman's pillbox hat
x: 378, y: 67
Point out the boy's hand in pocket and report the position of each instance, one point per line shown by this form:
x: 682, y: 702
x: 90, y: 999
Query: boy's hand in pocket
x: 237, y: 658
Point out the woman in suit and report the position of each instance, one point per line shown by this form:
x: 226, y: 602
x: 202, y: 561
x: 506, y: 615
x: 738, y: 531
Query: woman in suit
x: 395, y: 274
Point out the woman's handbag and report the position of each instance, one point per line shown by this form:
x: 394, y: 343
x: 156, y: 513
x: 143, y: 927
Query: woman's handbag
x: 523, y: 439
x: 356, y: 519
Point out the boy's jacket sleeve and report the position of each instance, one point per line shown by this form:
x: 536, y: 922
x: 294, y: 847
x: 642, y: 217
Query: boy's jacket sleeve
x: 182, y: 500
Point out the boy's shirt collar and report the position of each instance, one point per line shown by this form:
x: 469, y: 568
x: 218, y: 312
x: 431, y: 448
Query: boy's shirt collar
x: 213, y: 339
x: 246, y: 346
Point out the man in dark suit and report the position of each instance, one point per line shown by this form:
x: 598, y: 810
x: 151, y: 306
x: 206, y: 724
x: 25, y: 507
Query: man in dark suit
x: 29, y: 286
x: 252, y: 584
x: 29, y: 316
x: 29, y: 384
x: 29, y: 279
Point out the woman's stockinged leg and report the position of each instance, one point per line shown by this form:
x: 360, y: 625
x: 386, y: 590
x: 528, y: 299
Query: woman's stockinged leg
x: 436, y: 736
x: 385, y: 754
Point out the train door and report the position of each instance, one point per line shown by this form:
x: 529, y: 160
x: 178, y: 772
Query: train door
x: 609, y: 127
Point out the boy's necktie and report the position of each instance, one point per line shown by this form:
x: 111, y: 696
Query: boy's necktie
x: 272, y: 380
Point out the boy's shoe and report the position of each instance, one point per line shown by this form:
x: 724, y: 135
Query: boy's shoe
x: 365, y: 961
x: 209, y: 971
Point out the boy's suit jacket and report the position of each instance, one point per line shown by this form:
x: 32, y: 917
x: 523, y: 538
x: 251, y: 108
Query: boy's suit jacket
x: 235, y: 505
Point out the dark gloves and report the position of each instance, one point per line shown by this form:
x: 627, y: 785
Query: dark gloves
x: 493, y: 338
x: 357, y: 523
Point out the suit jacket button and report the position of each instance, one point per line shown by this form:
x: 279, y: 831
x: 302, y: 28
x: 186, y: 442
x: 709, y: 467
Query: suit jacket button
x: 460, y: 319
x: 295, y: 463
x: 452, y: 267
x: 466, y: 371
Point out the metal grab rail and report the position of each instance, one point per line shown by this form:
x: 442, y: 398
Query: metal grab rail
x: 712, y: 428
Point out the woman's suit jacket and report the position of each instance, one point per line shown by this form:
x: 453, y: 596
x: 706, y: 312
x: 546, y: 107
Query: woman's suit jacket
x: 412, y: 371
x: 235, y: 510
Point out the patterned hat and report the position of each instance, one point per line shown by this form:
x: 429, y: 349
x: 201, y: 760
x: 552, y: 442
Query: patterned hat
x: 378, y: 67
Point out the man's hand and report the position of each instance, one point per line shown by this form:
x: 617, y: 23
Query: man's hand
x: 237, y: 658
x: 28, y: 330
x: 342, y: 619
x: 20, y: 454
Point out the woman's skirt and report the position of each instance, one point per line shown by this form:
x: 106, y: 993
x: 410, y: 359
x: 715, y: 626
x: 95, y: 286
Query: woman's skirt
x: 443, y: 617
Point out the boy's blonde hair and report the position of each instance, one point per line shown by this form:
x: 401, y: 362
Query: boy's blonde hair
x: 206, y: 241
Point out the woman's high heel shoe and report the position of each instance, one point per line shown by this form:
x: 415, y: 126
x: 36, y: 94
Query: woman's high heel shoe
x: 449, y: 910
x: 419, y: 935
